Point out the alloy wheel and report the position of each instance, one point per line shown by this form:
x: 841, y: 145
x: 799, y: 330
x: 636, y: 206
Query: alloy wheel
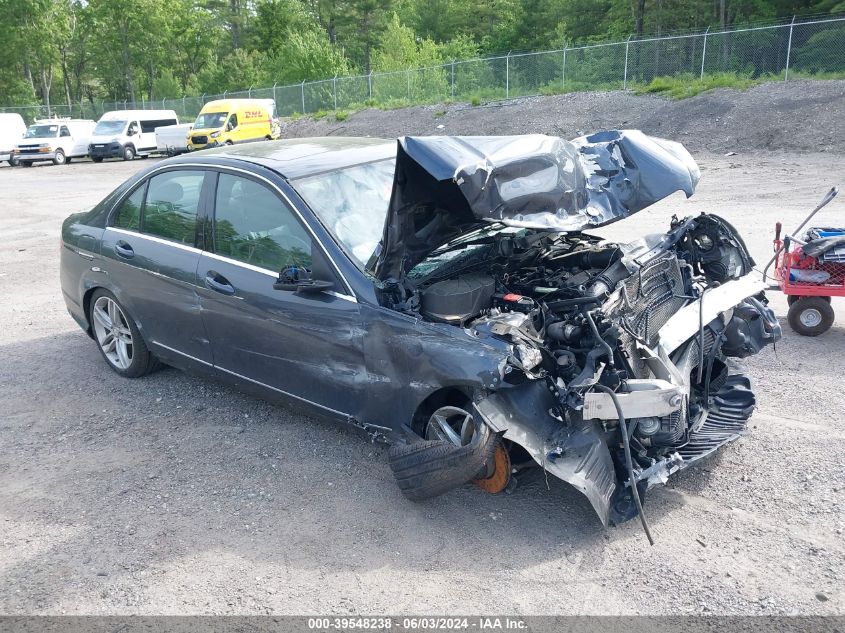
x: 113, y: 332
x: 451, y: 424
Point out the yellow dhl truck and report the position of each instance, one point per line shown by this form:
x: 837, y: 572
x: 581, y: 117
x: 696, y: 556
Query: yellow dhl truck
x: 232, y: 121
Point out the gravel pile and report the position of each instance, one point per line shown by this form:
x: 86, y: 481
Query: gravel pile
x: 798, y: 115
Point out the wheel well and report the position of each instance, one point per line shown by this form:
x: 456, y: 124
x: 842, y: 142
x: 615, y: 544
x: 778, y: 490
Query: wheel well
x: 446, y: 396
x: 86, y: 305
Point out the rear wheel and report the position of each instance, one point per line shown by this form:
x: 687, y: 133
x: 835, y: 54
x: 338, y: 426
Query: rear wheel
x: 59, y: 158
x: 97, y: 159
x: 118, y: 338
x: 14, y: 161
x: 26, y: 163
x: 811, y: 316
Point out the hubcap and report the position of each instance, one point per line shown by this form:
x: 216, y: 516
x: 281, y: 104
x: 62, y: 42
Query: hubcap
x: 810, y: 317
x: 113, y: 333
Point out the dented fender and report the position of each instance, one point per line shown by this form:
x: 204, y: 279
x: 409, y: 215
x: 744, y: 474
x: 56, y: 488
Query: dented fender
x: 574, y: 452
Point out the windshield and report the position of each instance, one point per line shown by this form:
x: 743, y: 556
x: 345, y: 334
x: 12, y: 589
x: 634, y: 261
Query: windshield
x: 105, y: 128
x: 41, y: 131
x: 352, y: 204
x: 210, y: 120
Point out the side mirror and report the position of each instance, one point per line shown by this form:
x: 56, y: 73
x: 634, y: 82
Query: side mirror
x: 298, y: 279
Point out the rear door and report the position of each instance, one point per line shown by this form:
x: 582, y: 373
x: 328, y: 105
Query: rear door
x: 305, y: 346
x: 147, y: 138
x: 152, y: 251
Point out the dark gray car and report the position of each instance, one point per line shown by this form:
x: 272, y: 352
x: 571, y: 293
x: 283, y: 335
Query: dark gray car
x: 441, y: 295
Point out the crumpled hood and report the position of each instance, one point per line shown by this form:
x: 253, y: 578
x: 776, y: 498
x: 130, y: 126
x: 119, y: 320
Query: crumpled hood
x: 448, y: 185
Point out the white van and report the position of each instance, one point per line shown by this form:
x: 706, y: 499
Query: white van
x: 12, y: 128
x: 56, y: 140
x: 128, y: 133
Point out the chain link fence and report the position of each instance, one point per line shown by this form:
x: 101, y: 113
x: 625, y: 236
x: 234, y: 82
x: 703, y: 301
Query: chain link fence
x: 800, y: 48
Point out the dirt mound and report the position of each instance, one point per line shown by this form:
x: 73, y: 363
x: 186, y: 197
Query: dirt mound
x: 799, y: 115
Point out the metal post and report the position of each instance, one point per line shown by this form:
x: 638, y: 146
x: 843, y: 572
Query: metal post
x: 789, y: 49
x: 625, y: 76
x: 184, y: 107
x: 563, y: 72
x: 704, y: 52
x: 408, y: 76
x: 334, y: 91
x: 370, y: 84
x: 143, y: 103
x: 508, y: 75
x: 224, y: 94
x: 274, y: 95
x: 249, y: 92
x: 163, y: 106
x: 453, y: 79
x: 302, y: 87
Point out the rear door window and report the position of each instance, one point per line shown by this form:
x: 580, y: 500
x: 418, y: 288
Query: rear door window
x: 254, y: 226
x: 172, y: 201
x: 128, y: 214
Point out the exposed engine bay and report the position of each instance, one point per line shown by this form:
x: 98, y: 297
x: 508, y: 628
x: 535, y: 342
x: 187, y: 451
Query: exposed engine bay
x: 624, y: 359
x: 580, y: 312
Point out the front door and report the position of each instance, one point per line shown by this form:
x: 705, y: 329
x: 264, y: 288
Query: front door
x: 152, y: 253
x: 305, y: 346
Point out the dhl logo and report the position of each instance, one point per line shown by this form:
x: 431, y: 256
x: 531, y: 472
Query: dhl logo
x: 254, y: 114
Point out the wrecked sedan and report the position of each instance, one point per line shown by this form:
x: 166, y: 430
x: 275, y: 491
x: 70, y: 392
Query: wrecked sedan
x: 443, y: 295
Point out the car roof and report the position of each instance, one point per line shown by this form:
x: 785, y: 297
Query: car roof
x: 301, y: 157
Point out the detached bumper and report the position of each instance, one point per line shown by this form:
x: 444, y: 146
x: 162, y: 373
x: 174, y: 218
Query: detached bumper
x: 105, y: 150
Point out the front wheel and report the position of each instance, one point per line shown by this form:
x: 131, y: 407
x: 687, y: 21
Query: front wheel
x: 118, y: 338
x: 128, y: 152
x: 14, y: 161
x: 97, y: 159
x: 811, y: 316
x: 59, y: 158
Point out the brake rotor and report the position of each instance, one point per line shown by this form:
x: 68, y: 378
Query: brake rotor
x: 498, y: 471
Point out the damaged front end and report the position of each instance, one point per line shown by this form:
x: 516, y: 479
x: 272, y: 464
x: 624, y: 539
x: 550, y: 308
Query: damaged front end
x: 625, y: 362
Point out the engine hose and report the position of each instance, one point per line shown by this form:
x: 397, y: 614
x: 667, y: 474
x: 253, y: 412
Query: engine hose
x: 608, y: 350
x: 629, y: 462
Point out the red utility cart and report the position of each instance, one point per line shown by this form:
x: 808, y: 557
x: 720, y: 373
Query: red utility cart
x: 809, y: 276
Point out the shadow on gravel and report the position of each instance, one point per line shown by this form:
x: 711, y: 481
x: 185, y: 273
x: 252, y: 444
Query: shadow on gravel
x: 106, y: 484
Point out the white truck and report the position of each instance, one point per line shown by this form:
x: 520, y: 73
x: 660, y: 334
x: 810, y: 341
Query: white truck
x: 128, y: 133
x: 12, y: 128
x: 172, y: 140
x: 55, y: 140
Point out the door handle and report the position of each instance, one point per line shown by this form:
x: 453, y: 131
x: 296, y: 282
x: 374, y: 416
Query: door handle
x: 217, y: 282
x: 124, y: 250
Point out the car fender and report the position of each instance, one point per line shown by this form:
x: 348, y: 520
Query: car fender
x: 573, y: 451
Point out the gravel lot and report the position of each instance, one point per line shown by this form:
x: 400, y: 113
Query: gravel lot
x: 175, y: 495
